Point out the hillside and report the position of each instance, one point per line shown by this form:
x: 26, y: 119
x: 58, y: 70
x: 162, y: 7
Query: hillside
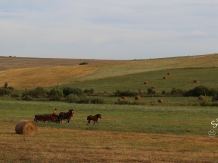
x: 23, y: 73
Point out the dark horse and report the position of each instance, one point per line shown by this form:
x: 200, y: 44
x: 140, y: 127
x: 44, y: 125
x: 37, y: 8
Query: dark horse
x: 67, y: 115
x: 94, y: 118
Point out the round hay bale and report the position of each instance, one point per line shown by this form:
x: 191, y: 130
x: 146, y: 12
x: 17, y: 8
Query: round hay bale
x: 196, y: 81
x: 153, y: 87
x: 169, y: 73
x: 145, y: 82
x: 201, y: 97
x: 165, y: 77
x: 124, y: 98
x: 161, y: 101
x: 26, y: 127
x: 137, y: 97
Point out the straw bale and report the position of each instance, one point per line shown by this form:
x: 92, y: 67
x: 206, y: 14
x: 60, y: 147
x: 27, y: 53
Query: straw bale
x: 169, y: 73
x: 201, y: 97
x: 137, y: 97
x: 165, y: 77
x: 161, y: 101
x: 196, y: 81
x: 26, y: 127
x: 124, y: 98
x: 145, y: 82
x: 153, y: 87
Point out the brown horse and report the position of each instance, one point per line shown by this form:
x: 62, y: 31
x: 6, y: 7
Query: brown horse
x: 94, y: 118
x: 68, y: 115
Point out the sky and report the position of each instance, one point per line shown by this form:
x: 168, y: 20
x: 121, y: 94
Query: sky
x: 108, y: 29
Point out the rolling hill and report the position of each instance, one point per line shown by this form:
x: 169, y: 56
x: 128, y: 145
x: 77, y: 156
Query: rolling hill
x: 23, y: 73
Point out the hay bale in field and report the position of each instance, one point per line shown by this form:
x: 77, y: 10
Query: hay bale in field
x: 137, y: 97
x: 26, y: 127
x: 201, y: 97
x: 153, y: 87
x: 165, y: 77
x: 145, y: 82
x: 196, y: 81
x: 169, y: 73
x: 161, y: 101
x: 123, y: 98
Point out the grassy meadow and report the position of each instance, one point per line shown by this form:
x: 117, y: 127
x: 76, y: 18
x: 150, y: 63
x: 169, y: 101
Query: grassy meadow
x: 176, y: 131
x: 124, y: 134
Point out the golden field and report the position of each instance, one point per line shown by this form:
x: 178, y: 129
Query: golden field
x: 32, y: 72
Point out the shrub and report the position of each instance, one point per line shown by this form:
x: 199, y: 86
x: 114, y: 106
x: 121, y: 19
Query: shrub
x: 177, y: 91
x: 89, y: 91
x: 27, y: 98
x: 151, y: 91
x: 55, y: 94
x: 201, y: 90
x: 4, y: 92
x: 39, y: 92
x: 72, y: 98
x: 97, y: 101
x: 76, y: 91
x: 15, y: 95
x: 125, y: 93
x: 83, y: 63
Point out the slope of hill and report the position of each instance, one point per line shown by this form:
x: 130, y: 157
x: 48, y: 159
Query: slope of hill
x: 23, y: 73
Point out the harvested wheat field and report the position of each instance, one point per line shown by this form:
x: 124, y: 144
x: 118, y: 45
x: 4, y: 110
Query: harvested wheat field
x: 20, y: 72
x: 53, y: 145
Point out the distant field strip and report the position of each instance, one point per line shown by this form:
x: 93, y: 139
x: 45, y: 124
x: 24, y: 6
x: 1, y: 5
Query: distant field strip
x: 44, y: 76
x: 21, y: 76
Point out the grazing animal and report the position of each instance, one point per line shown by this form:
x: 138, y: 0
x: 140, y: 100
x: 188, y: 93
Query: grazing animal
x: 67, y: 115
x: 94, y: 118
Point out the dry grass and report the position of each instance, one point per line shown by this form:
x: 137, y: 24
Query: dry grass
x: 68, y: 145
x: 19, y: 72
x: 44, y: 76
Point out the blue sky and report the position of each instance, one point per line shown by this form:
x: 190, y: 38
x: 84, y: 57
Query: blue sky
x: 108, y: 29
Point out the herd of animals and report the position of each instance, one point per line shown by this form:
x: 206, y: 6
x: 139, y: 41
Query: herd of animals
x: 63, y: 116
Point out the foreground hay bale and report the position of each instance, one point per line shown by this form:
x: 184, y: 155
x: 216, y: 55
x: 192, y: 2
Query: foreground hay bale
x: 196, y: 81
x: 137, y: 97
x: 201, y: 97
x: 26, y: 127
x: 145, y: 82
x: 161, y: 101
x: 165, y: 77
x: 153, y: 87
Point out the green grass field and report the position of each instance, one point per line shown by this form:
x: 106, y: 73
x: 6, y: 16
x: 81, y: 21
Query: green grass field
x: 179, y: 78
x: 124, y: 118
x: 126, y: 133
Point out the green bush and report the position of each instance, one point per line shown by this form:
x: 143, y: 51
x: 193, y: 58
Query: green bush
x: 178, y: 92
x: 4, y: 91
x: 201, y: 90
x: 125, y: 93
x: 83, y: 63
x: 38, y: 92
x: 97, y: 101
x: 27, y: 98
x: 150, y: 91
x: 15, y: 95
x: 89, y: 91
x: 72, y: 98
x: 76, y: 91
x: 55, y: 94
